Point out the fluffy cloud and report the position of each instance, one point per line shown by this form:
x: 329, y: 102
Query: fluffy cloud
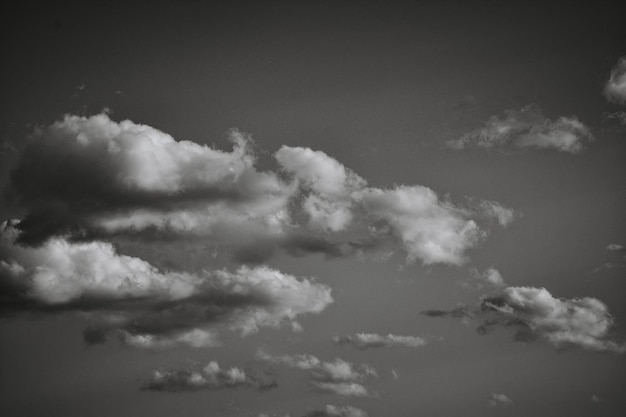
x: 615, y: 87
x: 338, y: 411
x: 535, y: 313
x: 527, y: 128
x: 432, y: 230
x: 614, y: 247
x: 371, y: 340
x: 338, y: 376
x: 149, y: 307
x: 209, y: 377
x: 499, y: 400
x: 91, y: 178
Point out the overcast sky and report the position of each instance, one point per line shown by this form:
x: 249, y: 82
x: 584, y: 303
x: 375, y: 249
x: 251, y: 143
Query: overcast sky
x: 269, y: 209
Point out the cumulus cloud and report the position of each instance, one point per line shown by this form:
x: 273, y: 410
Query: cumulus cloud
x: 492, y: 277
x: 535, y: 313
x: 430, y: 229
x: 337, y: 376
x: 499, y: 400
x: 615, y: 87
x: 209, y: 377
x: 91, y: 178
x: 146, y: 306
x: 371, y: 340
x: 527, y: 128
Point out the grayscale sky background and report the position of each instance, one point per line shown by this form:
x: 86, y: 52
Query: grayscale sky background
x: 399, y: 93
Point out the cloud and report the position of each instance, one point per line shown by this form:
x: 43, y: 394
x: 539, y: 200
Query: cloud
x: 615, y: 87
x: 499, y: 400
x: 363, y: 341
x: 429, y: 229
x: 619, y: 116
x: 527, y: 128
x: 614, y: 247
x: 535, y: 313
x: 493, y: 277
x: 147, y: 307
x: 209, y: 377
x: 338, y: 376
x: 94, y: 179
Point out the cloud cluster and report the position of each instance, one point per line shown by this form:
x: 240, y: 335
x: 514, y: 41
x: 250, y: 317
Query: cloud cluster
x: 332, y: 411
x: 210, y: 377
x: 91, y: 178
x: 364, y: 341
x: 146, y: 306
x: 535, y: 313
x: 339, y: 376
x: 527, y: 128
x: 615, y: 87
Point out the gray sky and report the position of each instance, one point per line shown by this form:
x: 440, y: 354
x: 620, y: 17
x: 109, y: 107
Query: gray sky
x: 383, y: 209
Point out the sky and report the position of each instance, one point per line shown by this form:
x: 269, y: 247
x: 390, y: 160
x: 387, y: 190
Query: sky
x: 349, y: 209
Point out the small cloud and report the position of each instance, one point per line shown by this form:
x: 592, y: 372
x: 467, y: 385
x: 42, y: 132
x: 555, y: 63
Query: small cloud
x: 363, y: 341
x: 209, y: 377
x: 395, y: 374
x: 527, y: 128
x: 596, y: 399
x: 337, y: 411
x: 615, y: 87
x: 619, y: 116
x: 499, y: 400
x: 615, y: 247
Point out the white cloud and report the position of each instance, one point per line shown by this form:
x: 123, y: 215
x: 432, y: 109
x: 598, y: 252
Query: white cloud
x: 583, y: 322
x: 345, y: 411
x: 372, y: 340
x: 614, y: 247
x: 493, y: 277
x: 338, y: 376
x: 497, y: 211
x: 615, y: 87
x: 430, y: 229
x: 527, y: 128
x: 123, y: 292
x: 210, y: 376
x: 499, y: 400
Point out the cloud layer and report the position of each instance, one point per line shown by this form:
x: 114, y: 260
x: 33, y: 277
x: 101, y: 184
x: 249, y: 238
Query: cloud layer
x: 146, y: 306
x: 527, y: 128
x: 91, y: 178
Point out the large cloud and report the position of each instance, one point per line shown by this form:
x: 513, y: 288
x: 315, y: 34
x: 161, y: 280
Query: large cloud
x: 371, y: 340
x: 209, y: 377
x: 535, y: 313
x: 339, y: 376
x: 90, y: 178
x: 149, y: 307
x: 615, y: 87
x: 527, y: 128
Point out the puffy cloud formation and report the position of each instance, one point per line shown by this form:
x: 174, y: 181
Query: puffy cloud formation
x: 527, y: 128
x: 491, y: 276
x: 535, y: 313
x: 371, y: 340
x: 91, y: 178
x: 209, y: 377
x: 499, y: 400
x: 339, y: 377
x: 151, y: 308
x: 432, y: 230
x: 583, y: 322
x: 615, y: 87
x: 619, y: 116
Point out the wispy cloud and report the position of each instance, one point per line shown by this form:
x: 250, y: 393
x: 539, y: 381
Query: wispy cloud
x: 499, y: 400
x: 615, y: 87
x: 527, y: 128
x: 364, y: 341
